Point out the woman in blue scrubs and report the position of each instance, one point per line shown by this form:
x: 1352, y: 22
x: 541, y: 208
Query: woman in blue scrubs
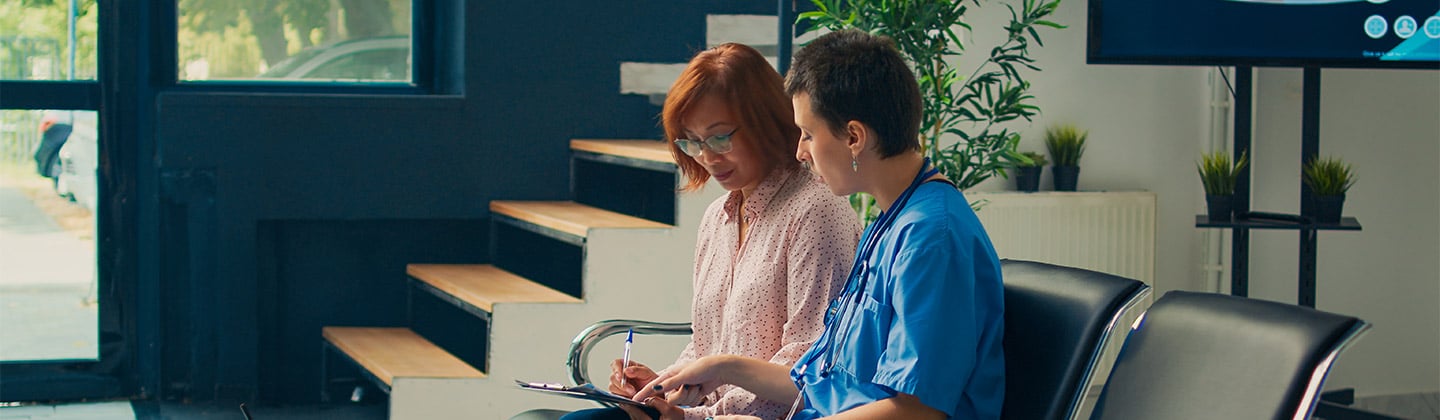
x: 916, y: 332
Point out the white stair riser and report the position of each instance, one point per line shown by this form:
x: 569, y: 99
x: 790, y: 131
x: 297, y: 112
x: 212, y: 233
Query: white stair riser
x: 628, y: 274
x: 441, y: 399
x: 654, y: 79
x: 758, y: 31
x: 648, y: 78
x: 753, y: 30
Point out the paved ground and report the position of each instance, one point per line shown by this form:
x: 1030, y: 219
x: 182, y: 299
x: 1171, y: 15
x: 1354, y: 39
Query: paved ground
x: 113, y: 410
x: 46, y: 278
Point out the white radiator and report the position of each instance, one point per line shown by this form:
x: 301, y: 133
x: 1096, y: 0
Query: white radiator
x: 1109, y: 232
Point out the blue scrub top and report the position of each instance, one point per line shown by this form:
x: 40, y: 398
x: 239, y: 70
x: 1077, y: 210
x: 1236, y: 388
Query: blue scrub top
x: 929, y: 323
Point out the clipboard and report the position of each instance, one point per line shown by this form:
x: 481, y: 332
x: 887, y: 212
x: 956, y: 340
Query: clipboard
x: 584, y: 392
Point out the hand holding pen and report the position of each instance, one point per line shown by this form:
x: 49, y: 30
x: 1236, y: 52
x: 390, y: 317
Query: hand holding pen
x: 629, y: 339
x: 627, y: 377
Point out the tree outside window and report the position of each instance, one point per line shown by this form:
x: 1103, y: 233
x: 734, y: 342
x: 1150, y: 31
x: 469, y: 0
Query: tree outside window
x: 270, y: 39
x: 47, y: 39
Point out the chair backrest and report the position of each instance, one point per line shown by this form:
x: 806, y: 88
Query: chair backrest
x: 1209, y: 356
x: 578, y: 360
x: 1057, y: 320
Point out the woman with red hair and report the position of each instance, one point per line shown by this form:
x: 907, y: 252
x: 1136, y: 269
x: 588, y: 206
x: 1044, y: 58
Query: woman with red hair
x: 771, y: 254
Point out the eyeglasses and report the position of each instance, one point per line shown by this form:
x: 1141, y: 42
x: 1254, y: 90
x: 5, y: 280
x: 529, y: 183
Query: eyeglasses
x: 719, y: 143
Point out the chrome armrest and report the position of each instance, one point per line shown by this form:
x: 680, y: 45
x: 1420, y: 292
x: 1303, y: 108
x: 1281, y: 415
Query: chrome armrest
x: 581, y: 345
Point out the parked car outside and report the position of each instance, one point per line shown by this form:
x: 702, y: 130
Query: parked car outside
x: 67, y: 152
x: 381, y: 59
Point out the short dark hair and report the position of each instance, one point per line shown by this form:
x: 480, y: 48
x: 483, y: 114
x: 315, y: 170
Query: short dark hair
x: 852, y: 75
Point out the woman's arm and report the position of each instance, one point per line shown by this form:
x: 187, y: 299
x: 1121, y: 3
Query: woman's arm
x: 818, y: 253
x: 901, y: 406
x: 767, y: 380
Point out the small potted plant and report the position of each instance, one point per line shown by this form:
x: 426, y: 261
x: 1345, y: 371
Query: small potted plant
x: 1328, y: 179
x: 1027, y: 171
x: 1218, y: 174
x: 1066, y: 143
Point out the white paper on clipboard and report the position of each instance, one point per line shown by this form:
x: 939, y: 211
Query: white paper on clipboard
x: 584, y: 392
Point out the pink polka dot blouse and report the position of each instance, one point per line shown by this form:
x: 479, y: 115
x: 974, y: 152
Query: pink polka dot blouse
x: 765, y: 298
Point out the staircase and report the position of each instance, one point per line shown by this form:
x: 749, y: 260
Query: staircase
x: 622, y: 247
x: 557, y: 267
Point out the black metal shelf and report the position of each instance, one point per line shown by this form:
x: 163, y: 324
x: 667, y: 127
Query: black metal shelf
x: 1331, y: 407
x: 1346, y: 223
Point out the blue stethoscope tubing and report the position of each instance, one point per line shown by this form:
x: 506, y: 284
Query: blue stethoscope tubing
x: 843, y: 306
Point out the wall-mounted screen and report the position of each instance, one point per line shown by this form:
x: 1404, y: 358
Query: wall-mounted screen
x: 1322, y: 33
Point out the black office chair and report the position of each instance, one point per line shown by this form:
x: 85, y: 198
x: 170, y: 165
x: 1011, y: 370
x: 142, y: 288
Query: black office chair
x: 1057, y: 321
x: 1206, y: 356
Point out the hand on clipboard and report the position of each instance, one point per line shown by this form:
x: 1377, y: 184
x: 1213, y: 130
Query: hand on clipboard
x: 584, y: 392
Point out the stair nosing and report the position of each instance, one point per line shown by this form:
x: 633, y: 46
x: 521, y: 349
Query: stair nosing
x: 627, y: 148
x: 442, y: 277
x: 624, y: 161
x: 516, y: 209
x: 388, y: 374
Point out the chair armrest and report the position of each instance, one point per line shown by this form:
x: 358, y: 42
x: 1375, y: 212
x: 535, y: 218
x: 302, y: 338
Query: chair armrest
x: 581, y: 345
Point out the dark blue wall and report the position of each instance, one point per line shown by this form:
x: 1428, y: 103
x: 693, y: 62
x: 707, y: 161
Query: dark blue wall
x: 320, y: 199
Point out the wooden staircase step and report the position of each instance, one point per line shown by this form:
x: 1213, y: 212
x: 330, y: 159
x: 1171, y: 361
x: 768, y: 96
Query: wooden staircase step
x: 569, y: 217
x: 389, y: 353
x: 481, y: 286
x: 652, y: 154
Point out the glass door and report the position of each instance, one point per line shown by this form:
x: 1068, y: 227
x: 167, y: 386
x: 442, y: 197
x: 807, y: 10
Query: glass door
x: 49, y: 305
x: 50, y: 197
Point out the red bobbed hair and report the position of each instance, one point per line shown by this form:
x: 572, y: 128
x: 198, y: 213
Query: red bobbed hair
x: 753, y: 92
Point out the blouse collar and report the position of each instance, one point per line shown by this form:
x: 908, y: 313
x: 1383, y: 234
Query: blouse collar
x: 755, y: 204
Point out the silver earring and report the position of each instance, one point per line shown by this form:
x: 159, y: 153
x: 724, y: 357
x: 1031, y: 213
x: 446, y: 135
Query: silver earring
x: 854, y: 165
x: 805, y: 164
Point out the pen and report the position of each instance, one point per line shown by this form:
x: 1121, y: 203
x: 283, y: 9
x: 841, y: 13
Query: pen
x: 625, y: 360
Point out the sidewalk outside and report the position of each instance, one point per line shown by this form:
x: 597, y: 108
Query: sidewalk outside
x: 47, y: 310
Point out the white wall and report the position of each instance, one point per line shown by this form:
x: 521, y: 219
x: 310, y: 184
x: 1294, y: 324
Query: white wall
x: 1148, y: 125
x: 1387, y: 124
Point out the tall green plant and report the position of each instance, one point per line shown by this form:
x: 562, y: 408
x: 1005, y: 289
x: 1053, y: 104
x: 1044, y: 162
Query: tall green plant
x: 1218, y: 174
x: 971, y: 105
x: 1066, y: 144
x: 1328, y: 176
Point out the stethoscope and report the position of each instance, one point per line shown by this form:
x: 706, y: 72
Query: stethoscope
x: 842, y: 308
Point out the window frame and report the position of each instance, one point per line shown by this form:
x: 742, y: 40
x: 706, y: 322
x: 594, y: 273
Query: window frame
x: 65, y: 379
x: 423, y: 59
x: 137, y: 64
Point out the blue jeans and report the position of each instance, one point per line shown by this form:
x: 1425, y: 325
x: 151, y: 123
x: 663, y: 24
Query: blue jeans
x: 607, y: 414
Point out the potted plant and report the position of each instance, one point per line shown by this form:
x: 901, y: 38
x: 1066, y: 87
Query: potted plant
x: 1027, y: 171
x: 1328, y: 179
x: 1066, y: 144
x: 973, y: 109
x: 1218, y: 174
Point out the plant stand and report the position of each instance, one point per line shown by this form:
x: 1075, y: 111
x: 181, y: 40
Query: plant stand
x: 1027, y: 178
x: 1333, y: 405
x: 1066, y: 177
x: 1219, y: 208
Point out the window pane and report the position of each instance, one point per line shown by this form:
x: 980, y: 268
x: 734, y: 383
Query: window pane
x: 48, y: 300
x: 47, y: 39
x: 294, y: 40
